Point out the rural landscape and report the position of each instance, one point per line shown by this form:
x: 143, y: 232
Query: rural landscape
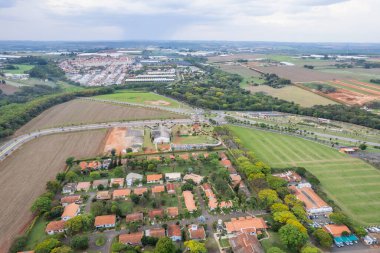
x: 189, y: 127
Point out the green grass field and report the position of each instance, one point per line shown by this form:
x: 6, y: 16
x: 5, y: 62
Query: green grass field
x: 21, y: 69
x: 350, y: 182
x: 145, y: 98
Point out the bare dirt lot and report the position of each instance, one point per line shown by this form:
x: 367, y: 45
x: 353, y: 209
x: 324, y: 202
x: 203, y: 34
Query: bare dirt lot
x: 84, y: 112
x: 8, y: 89
x: 116, y: 139
x: 24, y: 175
x: 350, y: 98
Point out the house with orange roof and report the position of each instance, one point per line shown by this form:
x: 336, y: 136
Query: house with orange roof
x: 196, y: 178
x: 90, y: 166
x: 140, y: 190
x: 235, y: 179
x: 226, y: 204
x: 172, y: 211
x: 226, y: 163
x: 155, y: 232
x: 121, y: 193
x: 105, y: 221
x: 197, y: 232
x: 184, y: 156
x: 70, y: 211
x: 134, y: 217
x: 174, y: 232
x: 223, y: 156
x: 170, y: 188
x: 66, y: 200
x: 245, y: 224
x: 55, y: 227
x: 189, y: 201
x: 314, y: 205
x: 245, y: 243
x: 103, y: 195
x: 156, y: 213
x: 158, y: 189
x: 290, y: 176
x: 154, y: 178
x: 131, y: 239
x: 336, y: 230
x: 118, y: 182
x: 83, y: 186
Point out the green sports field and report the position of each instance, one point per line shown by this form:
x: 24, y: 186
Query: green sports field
x: 146, y: 98
x: 353, y: 184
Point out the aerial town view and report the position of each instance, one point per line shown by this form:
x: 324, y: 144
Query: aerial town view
x: 194, y: 127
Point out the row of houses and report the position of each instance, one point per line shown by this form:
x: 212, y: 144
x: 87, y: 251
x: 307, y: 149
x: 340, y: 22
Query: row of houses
x: 212, y: 200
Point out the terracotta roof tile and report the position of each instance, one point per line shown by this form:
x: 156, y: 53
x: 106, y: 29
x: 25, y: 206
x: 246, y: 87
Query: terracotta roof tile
x: 172, y: 211
x: 133, y: 238
x: 55, y: 225
x: 105, y: 220
x: 153, y: 177
x: 134, y: 217
x: 174, y: 230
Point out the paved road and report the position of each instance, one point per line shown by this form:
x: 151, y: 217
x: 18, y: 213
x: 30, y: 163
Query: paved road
x: 7, y: 148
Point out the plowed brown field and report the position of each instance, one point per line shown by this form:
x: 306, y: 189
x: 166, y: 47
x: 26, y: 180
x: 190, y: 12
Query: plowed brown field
x: 24, y: 175
x: 79, y: 111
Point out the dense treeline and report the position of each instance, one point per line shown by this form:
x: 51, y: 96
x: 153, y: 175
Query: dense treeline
x: 325, y: 88
x: 219, y: 90
x: 375, y: 81
x: 31, y: 60
x: 27, y: 93
x: 371, y: 65
x: 275, y: 81
x: 13, y: 116
x: 48, y: 71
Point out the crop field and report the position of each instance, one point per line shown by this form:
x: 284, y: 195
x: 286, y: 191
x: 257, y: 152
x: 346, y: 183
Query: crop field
x: 354, y: 73
x: 233, y: 57
x: 78, y: 111
x: 21, y: 69
x: 144, y: 98
x: 350, y: 182
x: 8, y: 89
x: 24, y: 175
x: 249, y: 76
x: 294, y: 94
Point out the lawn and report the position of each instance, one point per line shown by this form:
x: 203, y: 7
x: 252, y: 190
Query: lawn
x: 350, y: 182
x: 146, y: 98
x: 37, y: 233
x: 21, y: 69
x: 199, y: 139
x: 273, y: 241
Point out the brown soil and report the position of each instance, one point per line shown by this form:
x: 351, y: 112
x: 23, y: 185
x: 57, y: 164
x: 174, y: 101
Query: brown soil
x: 367, y: 90
x: 24, y: 175
x: 116, y: 139
x: 350, y: 98
x: 369, y: 85
x: 158, y: 102
x: 84, y: 112
x: 8, y: 89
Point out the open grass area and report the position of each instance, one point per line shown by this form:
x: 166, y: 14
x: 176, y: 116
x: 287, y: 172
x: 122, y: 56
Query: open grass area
x: 273, y: 241
x: 21, y: 69
x: 293, y: 94
x: 145, y: 98
x: 199, y: 139
x: 350, y: 182
x: 37, y: 233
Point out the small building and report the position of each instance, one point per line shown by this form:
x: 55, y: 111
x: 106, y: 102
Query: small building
x: 103, y: 195
x: 121, y: 193
x: 66, y: 200
x: 197, y: 232
x: 184, y: 157
x: 174, y: 232
x: 158, y: 189
x: 226, y: 163
x: 155, y: 232
x: 140, y: 191
x: 131, y: 239
x: 336, y: 230
x: 134, y: 217
x: 83, y: 186
x: 117, y: 182
x: 90, y: 166
x: 97, y: 183
x: 161, y: 135
x: 171, y: 177
x: 245, y: 224
x: 70, y: 211
x: 132, y: 178
x: 223, y: 156
x: 55, y: 227
x: 189, y: 201
x: 154, y: 178
x: 69, y: 188
x: 156, y: 213
x: 105, y: 221
x: 172, y: 212
x: 245, y: 243
x: 170, y: 188
x: 348, y: 150
x: 290, y: 176
x: 236, y: 179
x: 196, y: 178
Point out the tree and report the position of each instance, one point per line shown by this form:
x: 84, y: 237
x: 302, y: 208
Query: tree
x: 94, y: 175
x: 41, y: 205
x: 79, y: 223
x: 118, y: 246
x: 118, y: 172
x: 60, y: 176
x: 70, y: 161
x: 284, y: 216
x: 323, y: 238
x: 292, y: 237
x: 47, y: 245
x: 98, y: 208
x: 340, y: 218
x: 55, y: 212
x: 278, y: 207
x: 310, y: 249
x: 71, y: 176
x: 53, y: 186
x: 268, y: 197
x: 187, y: 187
x: 195, y: 247
x: 148, y: 240
x: 164, y: 245
x: 18, y: 244
x: 79, y: 242
x: 135, y: 199
x: 363, y: 146
x: 62, y: 249
x: 275, y: 250
x: 360, y: 231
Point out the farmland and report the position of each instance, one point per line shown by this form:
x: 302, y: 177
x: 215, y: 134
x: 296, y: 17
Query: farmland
x: 351, y: 183
x: 8, y: 89
x: 144, y: 98
x: 84, y: 112
x: 21, y: 69
x: 25, y: 173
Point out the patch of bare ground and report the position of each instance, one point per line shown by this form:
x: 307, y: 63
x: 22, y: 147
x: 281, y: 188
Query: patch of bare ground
x: 24, y: 175
x: 8, y: 89
x: 78, y: 111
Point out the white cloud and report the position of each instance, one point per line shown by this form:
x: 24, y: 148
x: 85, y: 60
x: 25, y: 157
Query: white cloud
x: 281, y: 20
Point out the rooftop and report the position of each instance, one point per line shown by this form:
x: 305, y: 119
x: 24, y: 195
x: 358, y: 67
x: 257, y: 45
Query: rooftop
x: 336, y: 230
x: 70, y: 210
x: 189, y: 201
x: 243, y: 223
x: 133, y: 238
x: 105, y: 220
x: 55, y: 225
x: 153, y: 177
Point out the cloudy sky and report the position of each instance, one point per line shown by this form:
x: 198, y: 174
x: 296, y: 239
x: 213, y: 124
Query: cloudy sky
x: 249, y: 20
